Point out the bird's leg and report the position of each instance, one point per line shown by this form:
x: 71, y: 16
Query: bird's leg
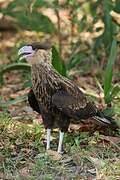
x: 61, y: 135
x: 48, y: 138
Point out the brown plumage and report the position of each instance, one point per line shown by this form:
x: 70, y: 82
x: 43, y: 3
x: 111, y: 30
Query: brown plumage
x: 58, y: 95
x: 33, y: 102
x: 59, y: 99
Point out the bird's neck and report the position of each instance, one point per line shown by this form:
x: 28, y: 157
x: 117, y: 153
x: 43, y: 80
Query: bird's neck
x: 44, y: 66
x: 46, y: 73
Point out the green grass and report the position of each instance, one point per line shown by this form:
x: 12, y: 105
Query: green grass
x: 23, y: 154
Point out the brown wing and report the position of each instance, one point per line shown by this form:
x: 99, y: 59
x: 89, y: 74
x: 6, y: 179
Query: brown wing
x: 69, y: 102
x: 74, y: 103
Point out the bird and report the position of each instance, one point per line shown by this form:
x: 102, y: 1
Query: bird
x: 55, y: 97
x: 33, y: 101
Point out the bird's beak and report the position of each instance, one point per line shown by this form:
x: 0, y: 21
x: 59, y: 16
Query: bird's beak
x: 25, y: 51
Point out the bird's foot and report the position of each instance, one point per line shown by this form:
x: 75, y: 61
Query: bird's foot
x: 61, y: 151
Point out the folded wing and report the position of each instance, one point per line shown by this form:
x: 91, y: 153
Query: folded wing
x: 73, y: 104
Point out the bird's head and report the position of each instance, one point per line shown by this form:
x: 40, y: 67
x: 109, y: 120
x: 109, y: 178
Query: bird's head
x: 35, y: 53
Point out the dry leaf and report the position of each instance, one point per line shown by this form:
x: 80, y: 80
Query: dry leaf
x: 111, y: 139
x: 54, y: 154
x: 24, y: 172
x: 115, y: 16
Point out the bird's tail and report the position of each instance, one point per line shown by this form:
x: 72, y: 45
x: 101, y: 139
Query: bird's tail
x: 102, y: 118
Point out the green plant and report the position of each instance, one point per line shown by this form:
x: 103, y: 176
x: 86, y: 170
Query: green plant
x: 26, y: 15
x: 11, y: 67
x: 110, y: 91
x: 57, y: 62
x: 4, y: 104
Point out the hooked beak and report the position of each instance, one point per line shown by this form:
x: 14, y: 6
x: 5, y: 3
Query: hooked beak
x: 25, y: 52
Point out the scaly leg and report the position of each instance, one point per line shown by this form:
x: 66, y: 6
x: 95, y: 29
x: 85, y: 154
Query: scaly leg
x: 48, y: 138
x: 61, y: 135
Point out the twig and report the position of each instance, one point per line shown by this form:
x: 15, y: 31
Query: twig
x: 59, y: 31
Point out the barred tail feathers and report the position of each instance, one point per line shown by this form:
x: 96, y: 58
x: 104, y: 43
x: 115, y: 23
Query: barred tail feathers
x: 104, y: 119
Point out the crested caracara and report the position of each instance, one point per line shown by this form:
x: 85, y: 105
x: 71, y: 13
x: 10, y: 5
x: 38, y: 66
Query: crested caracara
x: 56, y: 98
